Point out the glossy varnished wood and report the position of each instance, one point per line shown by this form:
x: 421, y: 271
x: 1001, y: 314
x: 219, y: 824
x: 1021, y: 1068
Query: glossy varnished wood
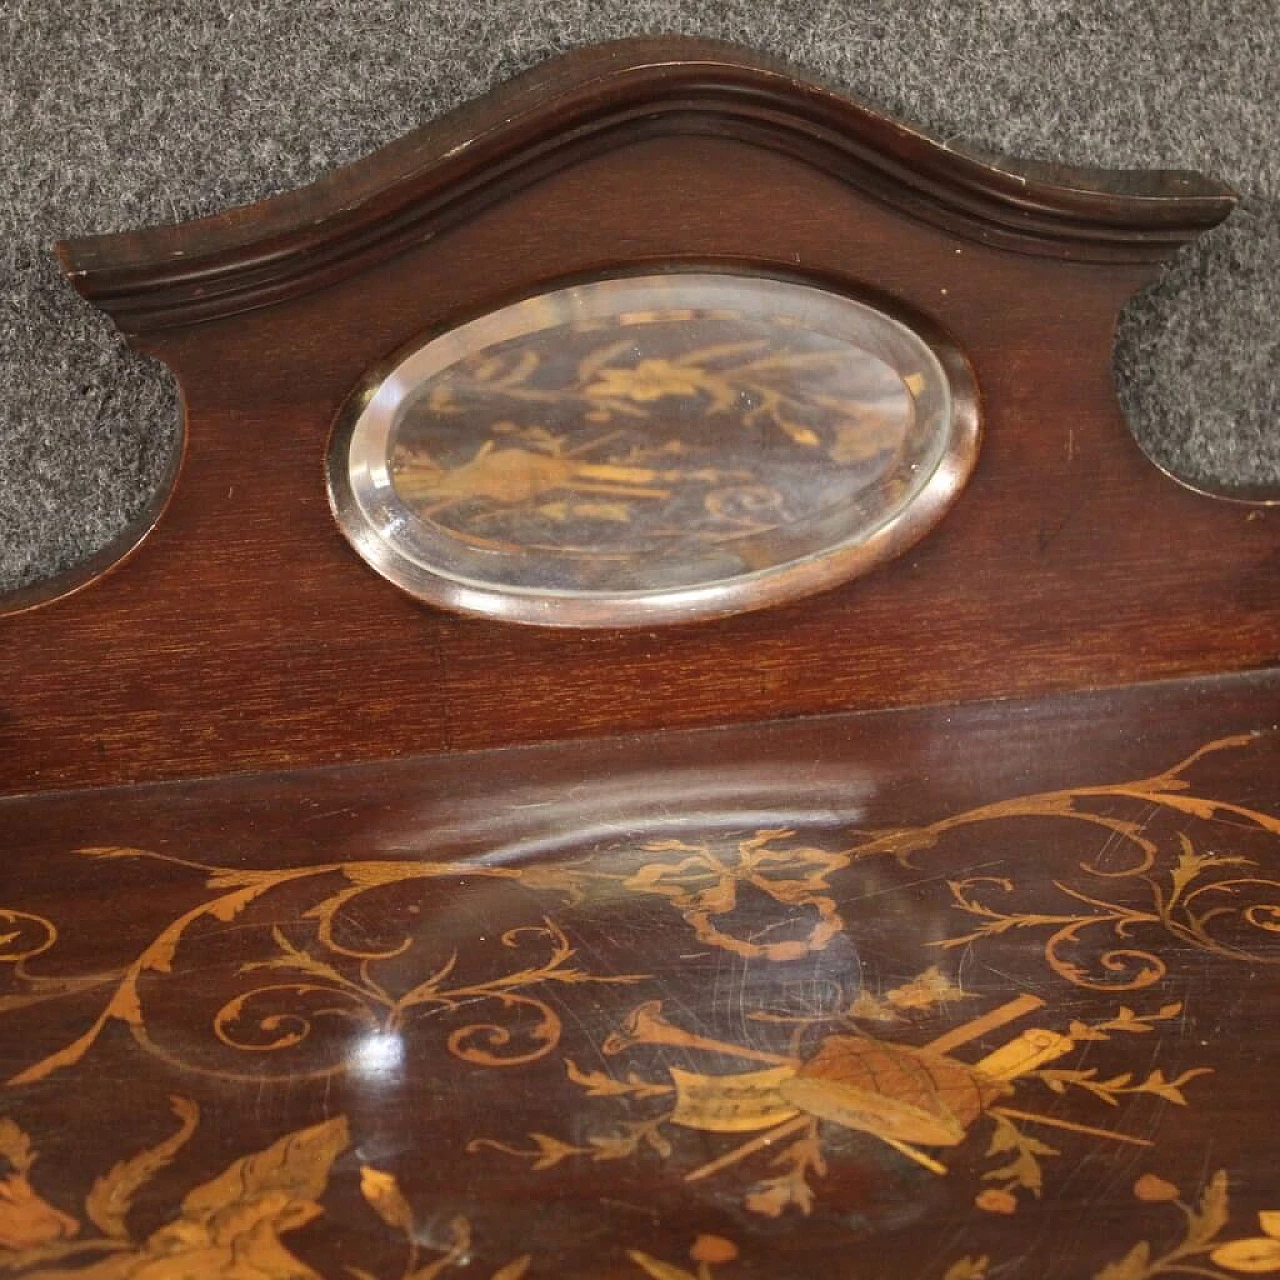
x: 587, y: 1010
x: 593, y: 101
x: 244, y: 634
x: 973, y: 980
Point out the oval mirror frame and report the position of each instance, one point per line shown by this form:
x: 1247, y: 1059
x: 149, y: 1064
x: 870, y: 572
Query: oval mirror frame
x: 560, y: 506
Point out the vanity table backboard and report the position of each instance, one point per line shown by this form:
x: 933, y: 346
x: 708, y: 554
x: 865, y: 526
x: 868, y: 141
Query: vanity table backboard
x: 920, y: 919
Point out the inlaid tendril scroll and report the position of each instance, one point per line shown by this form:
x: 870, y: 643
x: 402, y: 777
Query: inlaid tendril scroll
x: 1106, y: 935
x: 994, y: 1087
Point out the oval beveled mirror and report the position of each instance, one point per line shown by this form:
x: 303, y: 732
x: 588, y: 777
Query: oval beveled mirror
x: 653, y: 448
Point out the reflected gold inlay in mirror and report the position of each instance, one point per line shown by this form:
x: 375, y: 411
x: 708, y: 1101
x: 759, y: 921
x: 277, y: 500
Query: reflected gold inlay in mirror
x: 653, y: 448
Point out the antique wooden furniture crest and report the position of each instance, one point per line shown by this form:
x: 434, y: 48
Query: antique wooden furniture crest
x: 872, y: 869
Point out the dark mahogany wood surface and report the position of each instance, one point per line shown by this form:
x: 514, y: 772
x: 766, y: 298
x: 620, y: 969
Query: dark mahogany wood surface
x: 595, y: 100
x: 981, y: 992
x: 344, y: 937
x: 245, y: 634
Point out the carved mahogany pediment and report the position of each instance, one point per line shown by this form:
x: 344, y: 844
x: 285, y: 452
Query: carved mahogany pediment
x: 930, y: 926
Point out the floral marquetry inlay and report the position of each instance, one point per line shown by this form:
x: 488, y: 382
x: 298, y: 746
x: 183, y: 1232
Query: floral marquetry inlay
x: 343, y: 939
x: 653, y: 447
x: 709, y: 1013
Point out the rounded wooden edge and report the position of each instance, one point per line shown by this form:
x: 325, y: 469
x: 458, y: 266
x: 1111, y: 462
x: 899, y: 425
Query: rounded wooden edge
x: 120, y: 549
x: 602, y: 97
x: 786, y: 584
x: 1244, y: 495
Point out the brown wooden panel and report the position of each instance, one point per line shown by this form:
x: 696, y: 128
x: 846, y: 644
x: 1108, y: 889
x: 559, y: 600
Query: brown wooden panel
x: 244, y: 633
x: 971, y: 992
x: 976, y: 991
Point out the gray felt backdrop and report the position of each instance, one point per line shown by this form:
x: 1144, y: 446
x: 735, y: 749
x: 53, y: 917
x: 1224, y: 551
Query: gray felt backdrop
x: 115, y: 113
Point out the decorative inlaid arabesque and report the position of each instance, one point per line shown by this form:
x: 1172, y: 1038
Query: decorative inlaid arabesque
x: 253, y: 1032
x: 652, y: 448
x: 811, y: 1088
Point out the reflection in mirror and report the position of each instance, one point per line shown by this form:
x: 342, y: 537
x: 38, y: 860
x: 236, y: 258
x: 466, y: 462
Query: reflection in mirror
x: 650, y: 448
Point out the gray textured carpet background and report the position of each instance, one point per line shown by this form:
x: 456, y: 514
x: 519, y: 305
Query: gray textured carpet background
x: 115, y: 113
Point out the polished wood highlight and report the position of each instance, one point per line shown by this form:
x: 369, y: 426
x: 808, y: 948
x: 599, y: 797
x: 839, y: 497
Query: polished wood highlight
x: 344, y: 937
x: 244, y: 634
x: 969, y: 992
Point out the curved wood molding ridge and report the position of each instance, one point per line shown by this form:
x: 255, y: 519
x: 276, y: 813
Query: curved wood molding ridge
x: 596, y: 99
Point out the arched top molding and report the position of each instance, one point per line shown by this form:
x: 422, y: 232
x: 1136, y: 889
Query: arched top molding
x: 592, y: 100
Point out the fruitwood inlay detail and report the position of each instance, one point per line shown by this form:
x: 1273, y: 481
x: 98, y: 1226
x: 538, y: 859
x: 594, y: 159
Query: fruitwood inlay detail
x: 818, y: 1082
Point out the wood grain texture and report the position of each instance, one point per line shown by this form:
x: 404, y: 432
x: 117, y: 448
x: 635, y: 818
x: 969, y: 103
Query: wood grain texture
x: 972, y: 979
x: 877, y: 995
x: 244, y: 634
x: 592, y: 101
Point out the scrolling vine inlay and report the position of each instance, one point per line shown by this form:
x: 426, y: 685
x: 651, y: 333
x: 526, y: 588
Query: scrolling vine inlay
x: 773, y: 1109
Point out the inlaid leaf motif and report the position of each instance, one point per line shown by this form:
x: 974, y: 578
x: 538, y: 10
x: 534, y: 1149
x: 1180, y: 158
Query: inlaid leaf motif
x: 1023, y: 1170
x: 455, y: 1252
x: 516, y: 1269
x: 1211, y: 1215
x: 925, y: 991
x: 658, y: 1269
x: 27, y: 1220
x: 932, y: 987
x: 230, y: 1226
x: 871, y: 1008
x: 630, y: 1138
x: 968, y: 1269
x: 296, y: 1167
x: 708, y: 1251
x: 111, y: 1196
x: 15, y: 1146
x: 293, y: 958
x: 1127, y: 1020
x: 1154, y: 1190
x: 1110, y: 1090
x: 1200, y: 1252
x: 599, y: 1084
x: 1135, y: 1265
x: 383, y: 1193
x: 547, y: 1151
x: 1255, y: 1255
x: 799, y: 1161
x: 996, y: 1200
x: 226, y: 909
x: 713, y: 1249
